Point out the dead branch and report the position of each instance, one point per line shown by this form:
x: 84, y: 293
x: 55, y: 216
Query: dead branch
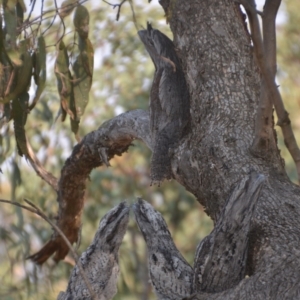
x: 112, y: 138
x: 269, y: 33
x: 264, y: 124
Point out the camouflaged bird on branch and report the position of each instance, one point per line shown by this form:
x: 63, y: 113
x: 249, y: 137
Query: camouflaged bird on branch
x: 169, y: 102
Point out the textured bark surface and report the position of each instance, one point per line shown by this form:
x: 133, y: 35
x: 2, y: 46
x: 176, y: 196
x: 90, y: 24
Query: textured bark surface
x: 224, y: 85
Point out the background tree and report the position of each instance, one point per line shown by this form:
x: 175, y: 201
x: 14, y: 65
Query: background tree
x: 210, y: 192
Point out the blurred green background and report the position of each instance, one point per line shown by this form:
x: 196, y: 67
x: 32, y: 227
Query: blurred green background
x: 122, y: 80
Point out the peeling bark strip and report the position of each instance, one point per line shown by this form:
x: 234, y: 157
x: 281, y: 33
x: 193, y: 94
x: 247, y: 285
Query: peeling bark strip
x: 169, y: 102
x: 220, y: 259
x: 112, y: 138
x: 101, y: 259
x: 170, y: 274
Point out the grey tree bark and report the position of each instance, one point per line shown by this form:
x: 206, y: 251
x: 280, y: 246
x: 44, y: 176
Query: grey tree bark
x: 215, y: 157
x: 224, y: 83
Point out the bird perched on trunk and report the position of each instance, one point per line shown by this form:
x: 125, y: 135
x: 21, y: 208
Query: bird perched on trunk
x: 221, y: 257
x: 171, y: 275
x: 100, y: 260
x: 169, y: 102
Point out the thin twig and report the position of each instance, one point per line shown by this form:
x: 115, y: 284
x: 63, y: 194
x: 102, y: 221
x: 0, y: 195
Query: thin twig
x: 133, y: 15
x: 42, y: 9
x: 264, y: 122
x: 31, y: 10
x: 62, y: 22
x: 50, y: 25
x: 116, y: 5
x: 39, y: 169
x: 38, y: 212
x: 40, y: 17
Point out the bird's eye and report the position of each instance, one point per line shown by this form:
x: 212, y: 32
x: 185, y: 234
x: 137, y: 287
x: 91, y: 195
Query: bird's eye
x: 112, y: 218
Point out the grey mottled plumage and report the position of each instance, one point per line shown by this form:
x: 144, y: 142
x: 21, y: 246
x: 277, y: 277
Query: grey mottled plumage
x: 169, y: 101
x: 170, y: 274
x: 220, y: 259
x: 100, y: 260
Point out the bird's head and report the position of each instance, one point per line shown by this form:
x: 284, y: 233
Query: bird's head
x: 113, y: 226
x: 150, y: 222
x: 157, y: 44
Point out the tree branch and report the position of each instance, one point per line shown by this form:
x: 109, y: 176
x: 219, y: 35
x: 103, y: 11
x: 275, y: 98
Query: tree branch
x: 269, y: 33
x: 271, y: 87
x: 112, y: 138
x: 119, y: 6
x: 39, y: 169
x: 264, y: 124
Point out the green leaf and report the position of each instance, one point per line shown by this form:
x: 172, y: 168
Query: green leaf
x: 10, y: 21
x: 64, y: 78
x: 81, y: 21
x: 10, y: 4
x: 22, y: 73
x: 67, y: 7
x: 83, y: 76
x: 5, y: 143
x: 22, y: 5
x: 87, y: 54
x: 19, y: 112
x: 3, y: 79
x: 40, y: 74
x: 16, y: 179
x: 20, y: 14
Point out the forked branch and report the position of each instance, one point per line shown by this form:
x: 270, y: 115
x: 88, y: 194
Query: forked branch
x: 119, y: 6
